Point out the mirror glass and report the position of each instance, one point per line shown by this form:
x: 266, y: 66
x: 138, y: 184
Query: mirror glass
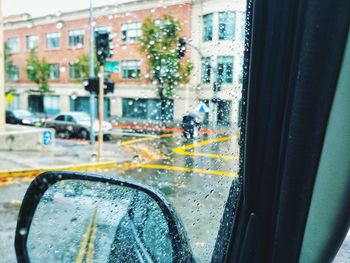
x: 85, y: 221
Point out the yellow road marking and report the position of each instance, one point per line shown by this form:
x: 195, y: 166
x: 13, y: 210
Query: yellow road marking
x: 91, y: 245
x: 72, y: 167
x: 183, y: 150
x: 176, y: 168
x: 86, y: 242
x: 146, y: 139
x: 11, y: 174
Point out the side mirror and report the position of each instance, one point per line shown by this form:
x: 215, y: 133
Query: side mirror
x: 75, y: 217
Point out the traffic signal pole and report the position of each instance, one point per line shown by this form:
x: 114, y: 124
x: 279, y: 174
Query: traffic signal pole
x: 2, y: 74
x: 92, y: 75
x: 100, y: 113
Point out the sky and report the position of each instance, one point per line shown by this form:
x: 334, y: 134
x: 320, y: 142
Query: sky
x: 45, y: 7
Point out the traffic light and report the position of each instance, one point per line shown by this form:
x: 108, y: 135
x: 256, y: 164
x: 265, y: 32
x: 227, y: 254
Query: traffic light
x: 181, y: 48
x: 109, y: 86
x: 103, y: 49
x: 92, y: 85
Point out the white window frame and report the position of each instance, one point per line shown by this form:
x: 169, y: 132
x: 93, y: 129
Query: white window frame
x: 29, y: 42
x: 131, y: 27
x: 53, y: 35
x: 75, y: 33
x: 11, y: 48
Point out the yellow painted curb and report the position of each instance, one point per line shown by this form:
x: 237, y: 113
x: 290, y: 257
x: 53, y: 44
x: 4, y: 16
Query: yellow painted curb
x: 10, y: 174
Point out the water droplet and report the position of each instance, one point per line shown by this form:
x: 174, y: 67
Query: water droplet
x: 23, y: 231
x: 59, y: 25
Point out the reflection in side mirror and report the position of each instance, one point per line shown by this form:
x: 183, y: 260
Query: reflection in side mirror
x: 69, y: 217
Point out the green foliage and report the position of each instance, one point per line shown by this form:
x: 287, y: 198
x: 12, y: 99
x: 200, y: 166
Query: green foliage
x: 82, y: 65
x: 159, y: 43
x: 7, y: 58
x: 38, y: 71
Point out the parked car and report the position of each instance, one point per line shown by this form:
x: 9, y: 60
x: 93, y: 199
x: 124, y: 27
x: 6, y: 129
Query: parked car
x: 23, y: 117
x: 76, y: 124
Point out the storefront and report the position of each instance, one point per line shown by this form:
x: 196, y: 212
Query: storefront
x: 146, y: 109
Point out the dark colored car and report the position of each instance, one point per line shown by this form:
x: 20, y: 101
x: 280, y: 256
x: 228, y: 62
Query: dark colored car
x: 76, y: 124
x: 23, y: 117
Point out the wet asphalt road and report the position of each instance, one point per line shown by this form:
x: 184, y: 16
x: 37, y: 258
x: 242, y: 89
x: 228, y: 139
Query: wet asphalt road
x: 195, y: 176
x: 195, y: 179
x: 199, y: 187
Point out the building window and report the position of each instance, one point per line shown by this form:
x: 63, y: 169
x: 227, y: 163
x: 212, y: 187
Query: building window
x: 242, y: 33
x: 74, y: 72
x: 225, y: 70
x: 103, y: 29
x: 13, y: 73
x: 54, y: 71
x: 14, y: 103
x: 131, y: 32
x: 208, y: 27
x: 53, y: 40
x: 206, y: 70
x: 83, y: 104
x: 131, y: 69
x: 51, y: 105
x: 227, y: 25
x: 13, y: 44
x: 76, y: 38
x: 147, y: 109
x: 32, y: 42
x: 240, y: 70
x: 224, y: 113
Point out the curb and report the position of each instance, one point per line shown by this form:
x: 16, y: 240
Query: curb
x: 156, y: 128
x: 11, y: 174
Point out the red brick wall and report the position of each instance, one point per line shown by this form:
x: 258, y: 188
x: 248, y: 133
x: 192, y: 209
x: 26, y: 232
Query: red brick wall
x: 65, y: 54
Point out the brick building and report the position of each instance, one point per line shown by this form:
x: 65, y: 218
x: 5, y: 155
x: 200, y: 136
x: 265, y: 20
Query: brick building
x: 63, y: 37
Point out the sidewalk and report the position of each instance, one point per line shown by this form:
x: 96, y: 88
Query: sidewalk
x: 139, y: 127
x: 71, y: 155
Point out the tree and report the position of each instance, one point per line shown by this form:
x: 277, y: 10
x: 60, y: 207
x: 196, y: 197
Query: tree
x: 8, y: 59
x: 83, y: 67
x: 38, y: 71
x: 159, y: 42
x: 8, y: 68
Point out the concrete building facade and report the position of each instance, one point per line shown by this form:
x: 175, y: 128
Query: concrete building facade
x: 216, y: 53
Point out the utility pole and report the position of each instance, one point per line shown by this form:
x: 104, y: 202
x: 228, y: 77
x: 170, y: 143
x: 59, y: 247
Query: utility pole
x: 103, y: 51
x: 2, y: 73
x: 100, y: 113
x: 92, y: 75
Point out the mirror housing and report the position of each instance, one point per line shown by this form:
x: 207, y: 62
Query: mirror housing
x: 39, y: 192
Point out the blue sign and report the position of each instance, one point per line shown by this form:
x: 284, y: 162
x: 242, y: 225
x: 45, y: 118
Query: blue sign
x: 203, y: 108
x: 47, y: 137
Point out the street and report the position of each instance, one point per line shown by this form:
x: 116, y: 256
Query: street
x: 195, y: 176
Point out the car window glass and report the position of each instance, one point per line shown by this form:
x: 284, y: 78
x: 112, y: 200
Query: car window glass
x: 60, y: 118
x: 171, y: 107
x: 70, y: 118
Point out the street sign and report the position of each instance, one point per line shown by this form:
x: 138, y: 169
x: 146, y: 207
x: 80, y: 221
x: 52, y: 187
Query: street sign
x: 203, y: 108
x: 47, y: 137
x: 112, y: 66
